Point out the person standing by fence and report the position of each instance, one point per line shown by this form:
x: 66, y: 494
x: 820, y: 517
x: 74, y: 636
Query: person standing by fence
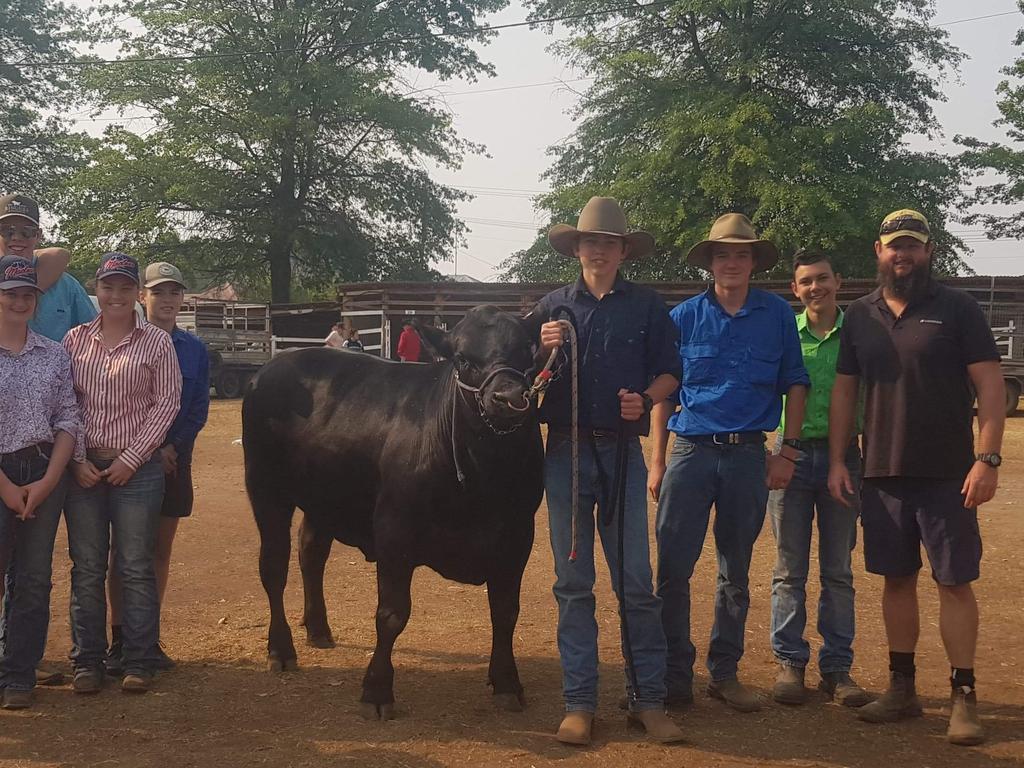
x: 409, y: 345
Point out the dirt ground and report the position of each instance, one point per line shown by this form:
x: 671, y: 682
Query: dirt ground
x: 221, y: 708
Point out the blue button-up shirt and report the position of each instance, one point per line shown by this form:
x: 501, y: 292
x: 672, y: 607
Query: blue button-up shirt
x: 735, y: 368
x: 626, y: 341
x: 195, y: 391
x: 64, y: 305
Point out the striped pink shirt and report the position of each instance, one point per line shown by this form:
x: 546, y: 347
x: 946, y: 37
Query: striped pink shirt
x: 128, y: 395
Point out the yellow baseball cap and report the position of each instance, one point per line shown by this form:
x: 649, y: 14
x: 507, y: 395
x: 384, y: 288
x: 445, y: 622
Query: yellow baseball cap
x: 904, y: 223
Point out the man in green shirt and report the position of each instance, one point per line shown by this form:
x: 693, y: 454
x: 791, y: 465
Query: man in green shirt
x: 792, y: 512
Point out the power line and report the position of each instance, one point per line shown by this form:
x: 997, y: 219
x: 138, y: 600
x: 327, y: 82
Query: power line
x: 467, y: 32
x: 978, y: 18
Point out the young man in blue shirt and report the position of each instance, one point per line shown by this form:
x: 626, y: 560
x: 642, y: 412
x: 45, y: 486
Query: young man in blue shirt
x: 740, y: 354
x: 627, y: 363
x: 163, y: 291
x: 63, y: 303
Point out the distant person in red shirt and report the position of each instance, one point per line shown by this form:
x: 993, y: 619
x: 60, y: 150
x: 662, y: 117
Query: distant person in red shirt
x: 409, y: 344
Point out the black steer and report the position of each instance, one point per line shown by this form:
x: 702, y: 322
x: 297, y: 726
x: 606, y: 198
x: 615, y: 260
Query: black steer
x: 372, y: 452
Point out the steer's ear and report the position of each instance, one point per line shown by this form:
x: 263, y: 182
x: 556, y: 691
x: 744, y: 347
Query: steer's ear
x: 439, y: 341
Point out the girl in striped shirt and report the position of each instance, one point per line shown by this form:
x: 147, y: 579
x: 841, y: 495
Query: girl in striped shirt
x: 40, y: 423
x: 129, y: 388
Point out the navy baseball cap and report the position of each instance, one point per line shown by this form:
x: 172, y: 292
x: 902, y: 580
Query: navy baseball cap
x: 19, y: 205
x: 16, y: 272
x: 118, y: 264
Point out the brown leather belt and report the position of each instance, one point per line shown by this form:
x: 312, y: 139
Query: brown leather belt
x: 586, y: 433
x: 29, y: 452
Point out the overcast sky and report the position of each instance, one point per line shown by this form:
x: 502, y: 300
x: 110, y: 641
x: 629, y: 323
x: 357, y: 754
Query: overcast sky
x: 518, y: 120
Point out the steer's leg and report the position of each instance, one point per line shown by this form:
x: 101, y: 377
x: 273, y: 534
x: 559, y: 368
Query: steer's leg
x: 503, y: 597
x: 314, y: 549
x: 393, y: 606
x: 275, y: 522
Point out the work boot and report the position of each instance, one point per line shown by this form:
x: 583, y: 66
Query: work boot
x: 163, y: 662
x: 841, y: 689
x: 897, y: 703
x: 87, y: 680
x: 657, y: 725
x: 575, y: 728
x: 49, y: 677
x: 136, y: 681
x: 17, y: 699
x: 789, y: 685
x: 112, y: 663
x: 964, y: 727
x: 735, y: 694
x: 678, y: 701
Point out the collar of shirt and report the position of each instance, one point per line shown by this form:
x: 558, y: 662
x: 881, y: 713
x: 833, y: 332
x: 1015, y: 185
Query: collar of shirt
x: 619, y: 286
x: 808, y: 335
x: 755, y: 300
x: 877, y: 296
x: 96, y: 328
x: 32, y: 340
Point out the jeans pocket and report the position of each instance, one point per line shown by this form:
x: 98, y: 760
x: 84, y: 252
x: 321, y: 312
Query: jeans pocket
x: 683, y: 447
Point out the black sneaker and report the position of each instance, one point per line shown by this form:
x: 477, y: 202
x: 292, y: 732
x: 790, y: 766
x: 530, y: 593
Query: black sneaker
x: 112, y: 662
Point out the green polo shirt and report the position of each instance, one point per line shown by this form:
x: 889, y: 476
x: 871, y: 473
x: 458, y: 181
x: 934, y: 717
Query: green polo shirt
x: 820, y: 357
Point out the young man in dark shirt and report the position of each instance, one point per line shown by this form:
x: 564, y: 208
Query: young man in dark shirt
x: 627, y: 363
x: 921, y: 350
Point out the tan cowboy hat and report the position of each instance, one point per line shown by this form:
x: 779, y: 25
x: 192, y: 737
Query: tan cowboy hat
x: 602, y: 216
x: 734, y: 228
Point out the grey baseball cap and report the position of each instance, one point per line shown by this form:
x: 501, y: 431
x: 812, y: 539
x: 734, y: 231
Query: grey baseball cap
x: 162, y: 272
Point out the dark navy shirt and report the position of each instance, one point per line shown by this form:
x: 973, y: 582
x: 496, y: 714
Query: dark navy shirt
x: 626, y: 341
x: 195, y: 391
x: 736, y: 368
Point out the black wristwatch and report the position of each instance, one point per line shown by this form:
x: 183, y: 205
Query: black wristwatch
x: 648, y: 403
x: 795, y: 443
x: 992, y: 459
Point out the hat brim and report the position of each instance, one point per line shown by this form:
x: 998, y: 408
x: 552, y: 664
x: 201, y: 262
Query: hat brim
x: 19, y: 216
x: 563, y: 238
x: 117, y: 273
x: 766, y: 255
x: 919, y: 236
x: 12, y: 284
x: 161, y: 281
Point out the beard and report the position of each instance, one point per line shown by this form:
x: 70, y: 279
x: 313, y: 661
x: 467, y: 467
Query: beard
x: 909, y: 287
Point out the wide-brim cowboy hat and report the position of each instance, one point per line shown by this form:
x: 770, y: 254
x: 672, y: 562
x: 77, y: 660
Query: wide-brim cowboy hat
x: 734, y: 228
x: 600, y: 216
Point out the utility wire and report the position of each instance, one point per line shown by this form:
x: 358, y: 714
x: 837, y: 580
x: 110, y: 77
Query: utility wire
x: 467, y: 32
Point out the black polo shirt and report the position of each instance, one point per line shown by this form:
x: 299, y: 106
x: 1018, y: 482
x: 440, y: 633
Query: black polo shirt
x: 626, y: 340
x: 918, y: 397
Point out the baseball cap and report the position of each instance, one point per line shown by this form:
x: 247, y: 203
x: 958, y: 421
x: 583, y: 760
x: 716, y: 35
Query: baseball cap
x: 118, y: 264
x: 16, y: 272
x: 904, y: 223
x: 19, y: 205
x: 162, y: 272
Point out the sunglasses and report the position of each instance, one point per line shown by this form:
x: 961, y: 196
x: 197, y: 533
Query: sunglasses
x: 27, y: 232
x: 904, y: 224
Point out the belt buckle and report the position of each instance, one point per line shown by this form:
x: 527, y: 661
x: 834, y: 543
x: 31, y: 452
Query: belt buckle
x: 731, y: 438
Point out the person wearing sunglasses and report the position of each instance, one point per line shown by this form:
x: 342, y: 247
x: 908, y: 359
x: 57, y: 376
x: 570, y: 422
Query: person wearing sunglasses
x: 921, y: 351
x: 63, y: 303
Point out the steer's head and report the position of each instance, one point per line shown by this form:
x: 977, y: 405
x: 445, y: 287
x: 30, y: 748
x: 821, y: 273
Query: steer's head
x: 492, y: 353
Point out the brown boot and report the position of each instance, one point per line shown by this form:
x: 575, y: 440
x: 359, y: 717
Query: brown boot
x: 789, y: 685
x: 898, y: 702
x: 735, y: 694
x: 842, y: 689
x: 658, y: 726
x: 575, y: 728
x: 964, y: 727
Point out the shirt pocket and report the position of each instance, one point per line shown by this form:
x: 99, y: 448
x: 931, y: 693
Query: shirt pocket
x: 763, y: 367
x: 699, y: 362
x: 626, y: 350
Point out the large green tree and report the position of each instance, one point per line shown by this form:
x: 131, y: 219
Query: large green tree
x: 795, y: 113
x: 36, y: 149
x: 1005, y: 160
x: 288, y: 148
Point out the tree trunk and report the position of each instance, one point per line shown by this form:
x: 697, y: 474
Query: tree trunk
x: 279, y: 254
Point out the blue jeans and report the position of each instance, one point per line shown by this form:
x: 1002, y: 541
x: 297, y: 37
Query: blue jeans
x: 132, y: 514
x: 574, y: 582
x: 733, y: 479
x: 27, y: 612
x: 792, y: 514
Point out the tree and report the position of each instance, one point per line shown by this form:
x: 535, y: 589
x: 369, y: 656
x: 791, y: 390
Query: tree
x: 792, y: 113
x: 287, y: 146
x: 1004, y: 160
x: 36, y: 151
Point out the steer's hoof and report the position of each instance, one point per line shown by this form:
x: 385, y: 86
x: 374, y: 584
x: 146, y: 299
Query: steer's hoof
x: 369, y: 711
x: 275, y: 664
x: 320, y: 641
x: 509, y: 702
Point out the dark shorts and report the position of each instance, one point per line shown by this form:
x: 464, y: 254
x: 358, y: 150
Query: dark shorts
x: 178, y: 490
x: 900, y: 513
